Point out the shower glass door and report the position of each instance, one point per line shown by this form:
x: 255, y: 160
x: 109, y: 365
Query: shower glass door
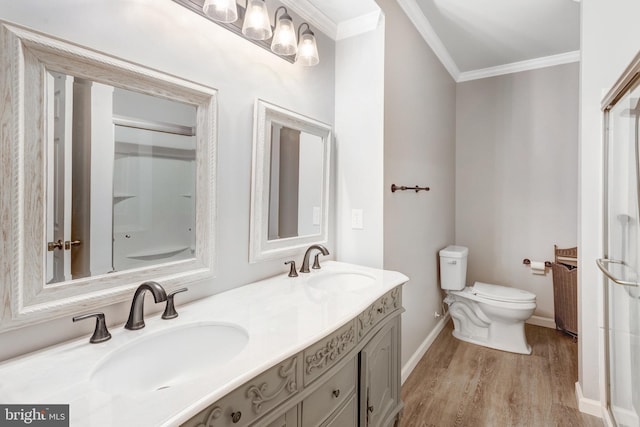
x: 621, y: 262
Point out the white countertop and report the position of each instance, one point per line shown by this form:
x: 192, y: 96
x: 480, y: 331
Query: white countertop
x: 282, y: 316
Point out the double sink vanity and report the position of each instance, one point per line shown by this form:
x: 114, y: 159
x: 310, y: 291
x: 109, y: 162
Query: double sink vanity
x: 318, y: 349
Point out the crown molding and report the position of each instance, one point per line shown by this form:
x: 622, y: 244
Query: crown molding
x: 422, y: 24
x: 358, y: 25
x: 516, y: 67
x: 314, y: 16
x: 369, y: 22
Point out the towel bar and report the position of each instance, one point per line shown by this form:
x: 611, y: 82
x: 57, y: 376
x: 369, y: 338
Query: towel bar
x: 395, y: 188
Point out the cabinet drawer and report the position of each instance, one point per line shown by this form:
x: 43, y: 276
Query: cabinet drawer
x: 377, y: 311
x: 347, y: 416
x: 321, y: 356
x: 288, y: 419
x: 253, y: 399
x: 336, y: 390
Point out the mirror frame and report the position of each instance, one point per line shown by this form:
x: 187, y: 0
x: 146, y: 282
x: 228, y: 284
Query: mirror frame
x: 25, y: 58
x: 260, y: 248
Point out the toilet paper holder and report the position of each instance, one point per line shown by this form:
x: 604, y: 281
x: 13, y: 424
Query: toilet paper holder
x: 527, y: 261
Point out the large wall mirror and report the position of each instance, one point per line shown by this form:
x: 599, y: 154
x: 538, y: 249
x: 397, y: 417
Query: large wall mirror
x: 107, y: 181
x: 290, y: 186
x: 120, y: 179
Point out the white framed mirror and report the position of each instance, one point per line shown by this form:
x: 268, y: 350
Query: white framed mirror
x: 290, y: 182
x: 107, y: 179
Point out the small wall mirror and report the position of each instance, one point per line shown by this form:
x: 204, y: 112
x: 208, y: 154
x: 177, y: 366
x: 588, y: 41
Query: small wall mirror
x: 290, y: 183
x: 107, y: 173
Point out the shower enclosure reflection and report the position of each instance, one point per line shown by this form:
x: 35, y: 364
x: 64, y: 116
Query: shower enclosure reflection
x: 120, y: 179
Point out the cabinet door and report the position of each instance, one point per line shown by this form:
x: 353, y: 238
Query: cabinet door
x: 380, y: 378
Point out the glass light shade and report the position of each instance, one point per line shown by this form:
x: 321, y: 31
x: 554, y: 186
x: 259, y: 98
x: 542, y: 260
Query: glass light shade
x: 284, y: 38
x: 256, y: 23
x: 307, y: 50
x: 221, y: 10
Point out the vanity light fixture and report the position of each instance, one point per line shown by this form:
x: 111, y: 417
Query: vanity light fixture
x: 253, y: 23
x: 284, y: 40
x: 221, y: 10
x: 307, y: 49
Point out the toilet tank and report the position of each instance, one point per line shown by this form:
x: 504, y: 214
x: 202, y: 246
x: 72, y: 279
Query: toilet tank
x: 453, y: 267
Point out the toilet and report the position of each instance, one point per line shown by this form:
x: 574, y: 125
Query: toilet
x: 484, y: 314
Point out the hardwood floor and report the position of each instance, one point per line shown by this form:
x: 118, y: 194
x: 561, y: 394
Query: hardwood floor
x: 461, y: 384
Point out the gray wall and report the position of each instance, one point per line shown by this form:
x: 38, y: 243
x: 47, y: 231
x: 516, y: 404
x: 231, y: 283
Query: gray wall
x: 167, y: 37
x: 419, y: 134
x: 517, y: 175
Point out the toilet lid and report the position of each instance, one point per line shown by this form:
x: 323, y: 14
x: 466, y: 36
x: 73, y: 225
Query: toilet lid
x: 502, y: 293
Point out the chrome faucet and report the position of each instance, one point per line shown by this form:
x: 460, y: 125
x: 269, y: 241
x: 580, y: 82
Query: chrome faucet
x: 307, y: 254
x: 136, y: 314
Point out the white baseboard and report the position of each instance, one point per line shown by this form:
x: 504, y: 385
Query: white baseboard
x: 545, y: 322
x: 413, y: 360
x: 607, y: 420
x: 625, y: 417
x: 588, y: 406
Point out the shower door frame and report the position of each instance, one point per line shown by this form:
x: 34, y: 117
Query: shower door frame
x: 628, y: 80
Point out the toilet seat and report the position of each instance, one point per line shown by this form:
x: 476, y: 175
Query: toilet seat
x: 501, y: 293
x: 498, y: 296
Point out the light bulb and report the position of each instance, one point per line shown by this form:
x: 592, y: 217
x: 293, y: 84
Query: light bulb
x: 284, y: 39
x: 221, y: 10
x: 307, y: 50
x: 256, y: 21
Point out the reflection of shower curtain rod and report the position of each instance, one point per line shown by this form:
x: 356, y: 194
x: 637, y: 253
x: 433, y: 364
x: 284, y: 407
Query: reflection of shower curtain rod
x: 153, y: 126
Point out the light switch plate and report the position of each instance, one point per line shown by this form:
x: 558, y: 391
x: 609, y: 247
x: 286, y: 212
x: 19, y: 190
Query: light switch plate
x: 357, y: 221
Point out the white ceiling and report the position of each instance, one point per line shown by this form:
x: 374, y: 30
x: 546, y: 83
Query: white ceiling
x: 338, y: 18
x: 478, y: 38
x: 344, y: 10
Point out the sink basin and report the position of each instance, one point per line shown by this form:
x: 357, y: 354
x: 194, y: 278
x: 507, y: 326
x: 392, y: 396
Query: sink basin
x: 161, y: 360
x: 342, y: 281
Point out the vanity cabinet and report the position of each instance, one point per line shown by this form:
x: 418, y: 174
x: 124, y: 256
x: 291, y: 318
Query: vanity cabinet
x: 249, y: 402
x: 349, y: 378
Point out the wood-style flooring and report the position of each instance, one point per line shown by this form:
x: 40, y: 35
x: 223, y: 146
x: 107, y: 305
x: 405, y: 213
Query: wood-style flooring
x: 461, y: 384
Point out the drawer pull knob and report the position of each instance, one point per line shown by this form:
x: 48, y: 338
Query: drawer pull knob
x: 235, y: 416
x: 336, y: 393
